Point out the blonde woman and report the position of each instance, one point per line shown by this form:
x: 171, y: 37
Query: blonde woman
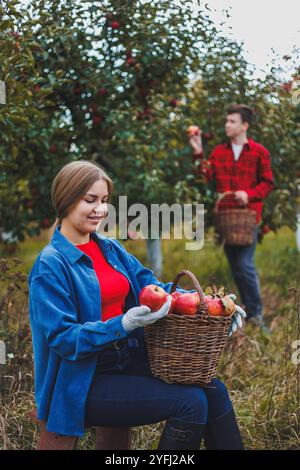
x: 90, y: 361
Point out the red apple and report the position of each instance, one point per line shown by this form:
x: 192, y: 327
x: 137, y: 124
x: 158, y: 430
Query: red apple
x: 174, y: 296
x: 102, y: 92
x: 219, y: 306
x: 133, y: 235
x: 287, y: 87
x: 45, y: 223
x: 147, y: 112
x: 196, y: 297
x: 115, y: 24
x: 97, y: 120
x: 214, y: 305
x: 11, y: 249
x: 174, y: 102
x: 130, y: 61
x: 265, y: 229
x: 208, y: 135
x: 15, y: 34
x: 153, y: 296
x: 193, y: 130
x: 186, y: 304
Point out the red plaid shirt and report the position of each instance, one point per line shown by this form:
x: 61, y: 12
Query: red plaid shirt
x: 252, y: 173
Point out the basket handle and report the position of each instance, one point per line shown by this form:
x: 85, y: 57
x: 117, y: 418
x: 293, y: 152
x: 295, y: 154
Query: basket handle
x: 226, y: 193
x: 197, y: 286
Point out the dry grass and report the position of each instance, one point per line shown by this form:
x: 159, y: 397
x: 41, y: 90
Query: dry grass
x: 258, y: 370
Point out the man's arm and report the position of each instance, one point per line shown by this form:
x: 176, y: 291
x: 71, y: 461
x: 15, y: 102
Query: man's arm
x: 202, y: 166
x: 265, y: 176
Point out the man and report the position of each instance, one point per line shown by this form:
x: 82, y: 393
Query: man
x: 243, y: 166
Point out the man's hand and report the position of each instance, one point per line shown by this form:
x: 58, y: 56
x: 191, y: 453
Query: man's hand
x: 196, y: 143
x: 242, y: 197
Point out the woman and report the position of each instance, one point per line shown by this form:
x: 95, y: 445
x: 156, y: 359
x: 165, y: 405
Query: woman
x: 90, y: 360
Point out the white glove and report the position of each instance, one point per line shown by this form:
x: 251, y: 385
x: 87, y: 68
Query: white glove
x: 142, y: 316
x: 236, y: 321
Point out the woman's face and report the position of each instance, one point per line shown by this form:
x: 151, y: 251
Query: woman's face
x: 88, y: 213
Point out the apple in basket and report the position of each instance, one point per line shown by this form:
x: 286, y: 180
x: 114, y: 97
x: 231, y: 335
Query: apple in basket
x: 219, y: 306
x: 186, y: 304
x: 174, y: 296
x: 153, y: 296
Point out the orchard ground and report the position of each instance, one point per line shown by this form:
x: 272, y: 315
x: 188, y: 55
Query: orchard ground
x: 258, y: 370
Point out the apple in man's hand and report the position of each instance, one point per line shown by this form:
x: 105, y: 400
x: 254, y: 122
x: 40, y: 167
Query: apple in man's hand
x: 194, y: 134
x: 193, y: 130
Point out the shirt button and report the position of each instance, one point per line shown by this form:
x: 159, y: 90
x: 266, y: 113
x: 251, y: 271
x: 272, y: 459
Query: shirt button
x: 117, y: 333
x: 115, y: 266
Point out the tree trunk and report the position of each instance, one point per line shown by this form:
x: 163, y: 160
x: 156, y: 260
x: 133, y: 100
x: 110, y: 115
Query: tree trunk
x: 298, y: 231
x: 154, y: 256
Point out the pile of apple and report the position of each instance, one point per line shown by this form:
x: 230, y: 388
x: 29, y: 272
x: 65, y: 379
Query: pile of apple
x: 218, y: 304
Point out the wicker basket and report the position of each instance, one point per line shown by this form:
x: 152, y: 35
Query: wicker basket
x: 235, y: 226
x: 187, y: 349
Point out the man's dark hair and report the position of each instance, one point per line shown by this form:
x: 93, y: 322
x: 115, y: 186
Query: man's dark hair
x: 245, y: 111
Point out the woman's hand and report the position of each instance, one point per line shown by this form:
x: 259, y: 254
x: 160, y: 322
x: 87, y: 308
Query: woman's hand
x: 137, y: 317
x: 236, y: 319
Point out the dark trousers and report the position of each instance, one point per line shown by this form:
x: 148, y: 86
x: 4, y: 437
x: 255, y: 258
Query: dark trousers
x: 242, y: 265
x: 124, y: 393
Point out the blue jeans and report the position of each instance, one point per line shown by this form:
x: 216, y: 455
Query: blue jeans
x: 241, y: 261
x: 125, y: 393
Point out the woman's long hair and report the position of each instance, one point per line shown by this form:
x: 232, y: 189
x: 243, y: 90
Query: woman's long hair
x: 71, y: 184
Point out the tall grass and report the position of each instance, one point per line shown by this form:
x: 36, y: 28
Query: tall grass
x: 257, y: 369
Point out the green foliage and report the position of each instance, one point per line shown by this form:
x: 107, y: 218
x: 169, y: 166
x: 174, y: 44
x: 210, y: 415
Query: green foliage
x: 118, y: 83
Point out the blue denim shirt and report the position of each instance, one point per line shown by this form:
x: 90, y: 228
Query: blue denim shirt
x: 67, y: 331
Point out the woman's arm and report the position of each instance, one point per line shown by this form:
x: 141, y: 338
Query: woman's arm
x: 52, y: 309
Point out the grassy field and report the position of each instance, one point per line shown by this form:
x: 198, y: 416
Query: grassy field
x: 257, y: 369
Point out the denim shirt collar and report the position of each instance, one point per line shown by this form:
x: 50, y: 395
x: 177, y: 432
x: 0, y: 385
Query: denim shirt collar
x: 70, y: 251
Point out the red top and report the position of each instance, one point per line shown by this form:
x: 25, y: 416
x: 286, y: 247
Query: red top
x: 114, y: 286
x: 251, y: 173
